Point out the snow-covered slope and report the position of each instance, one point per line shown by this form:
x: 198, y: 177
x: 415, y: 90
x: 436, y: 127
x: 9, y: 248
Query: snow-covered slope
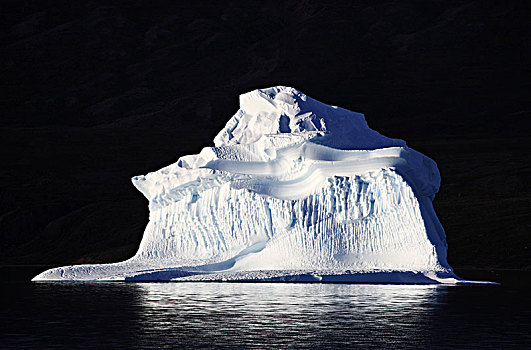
x: 294, y: 189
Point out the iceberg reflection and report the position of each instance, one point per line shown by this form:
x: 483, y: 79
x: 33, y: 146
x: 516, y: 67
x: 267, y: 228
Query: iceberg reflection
x: 287, y: 315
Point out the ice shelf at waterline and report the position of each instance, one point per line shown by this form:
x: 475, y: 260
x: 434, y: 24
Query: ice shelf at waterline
x: 294, y: 190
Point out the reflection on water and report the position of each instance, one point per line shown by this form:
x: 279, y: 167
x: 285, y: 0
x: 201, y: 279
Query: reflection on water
x: 288, y: 315
x: 261, y: 315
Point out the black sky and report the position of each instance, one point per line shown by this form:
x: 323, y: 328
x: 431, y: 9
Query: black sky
x: 94, y: 93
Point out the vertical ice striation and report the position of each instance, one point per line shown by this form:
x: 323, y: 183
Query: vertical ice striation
x: 293, y: 189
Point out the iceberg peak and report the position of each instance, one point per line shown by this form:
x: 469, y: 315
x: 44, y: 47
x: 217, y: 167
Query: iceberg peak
x: 285, y: 110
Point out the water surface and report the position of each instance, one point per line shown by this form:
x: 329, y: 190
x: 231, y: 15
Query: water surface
x: 262, y: 315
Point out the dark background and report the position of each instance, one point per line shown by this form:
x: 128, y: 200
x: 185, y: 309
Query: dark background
x: 95, y: 92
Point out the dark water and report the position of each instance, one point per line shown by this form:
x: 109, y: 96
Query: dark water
x: 262, y: 315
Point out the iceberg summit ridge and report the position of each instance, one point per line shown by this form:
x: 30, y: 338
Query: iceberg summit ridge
x: 293, y: 190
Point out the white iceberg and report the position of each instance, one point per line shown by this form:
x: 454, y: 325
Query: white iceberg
x: 294, y: 190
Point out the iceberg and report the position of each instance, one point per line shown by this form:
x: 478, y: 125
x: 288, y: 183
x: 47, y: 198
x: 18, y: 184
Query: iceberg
x: 293, y: 190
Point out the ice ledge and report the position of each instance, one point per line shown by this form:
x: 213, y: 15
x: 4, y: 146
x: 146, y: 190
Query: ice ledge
x: 294, y: 172
x: 291, y: 276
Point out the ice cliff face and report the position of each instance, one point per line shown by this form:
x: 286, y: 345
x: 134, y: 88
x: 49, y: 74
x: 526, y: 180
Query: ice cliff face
x: 293, y: 189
